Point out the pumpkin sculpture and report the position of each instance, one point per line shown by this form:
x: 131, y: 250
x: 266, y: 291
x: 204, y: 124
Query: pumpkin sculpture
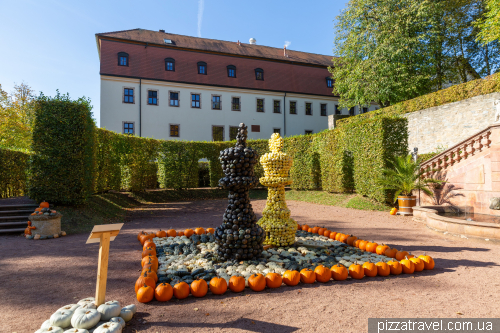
x: 428, y: 261
x: 307, y: 276
x: 145, y: 294
x: 144, y: 279
x: 164, y: 292
x: 291, y: 278
x: 339, y: 272
x: 181, y: 290
x: 218, y: 286
x: 323, y: 274
x: 199, y: 288
x: 257, y: 282
x: 237, y: 283
x: 356, y: 271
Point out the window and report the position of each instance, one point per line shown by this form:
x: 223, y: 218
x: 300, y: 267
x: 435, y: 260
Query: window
x: 323, y: 110
x: 260, y: 105
x: 174, y: 130
x: 308, y: 132
x: 216, y: 102
x: 233, y: 132
x: 293, y: 107
x: 152, y: 97
x: 309, y: 110
x: 255, y: 128
x: 122, y: 59
x: 170, y: 64
x: 277, y: 130
x: 276, y: 107
x: 231, y: 71
x: 329, y: 82
x: 338, y: 110
x: 217, y: 133
x: 351, y: 111
x: 195, y: 101
x: 202, y: 68
x: 128, y: 95
x: 365, y: 110
x: 259, y: 74
x: 235, y: 104
x: 173, y: 99
x: 128, y: 128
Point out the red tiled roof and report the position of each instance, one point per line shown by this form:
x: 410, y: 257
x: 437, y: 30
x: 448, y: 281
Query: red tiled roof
x: 213, y: 45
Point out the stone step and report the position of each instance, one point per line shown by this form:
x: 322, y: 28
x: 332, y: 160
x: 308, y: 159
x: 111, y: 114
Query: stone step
x: 16, y: 212
x: 10, y: 224
x: 10, y: 231
x: 14, y: 218
x: 18, y: 207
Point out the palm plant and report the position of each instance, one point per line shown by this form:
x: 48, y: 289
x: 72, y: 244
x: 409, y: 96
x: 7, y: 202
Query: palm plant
x: 404, y: 176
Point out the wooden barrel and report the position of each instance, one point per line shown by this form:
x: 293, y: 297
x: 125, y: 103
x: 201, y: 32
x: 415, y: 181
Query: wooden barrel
x: 406, y: 205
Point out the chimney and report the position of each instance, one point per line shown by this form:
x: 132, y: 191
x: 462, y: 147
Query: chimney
x: 161, y: 30
x: 284, y: 51
x: 239, y: 42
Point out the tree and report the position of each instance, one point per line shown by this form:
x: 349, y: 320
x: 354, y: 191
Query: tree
x: 489, y: 23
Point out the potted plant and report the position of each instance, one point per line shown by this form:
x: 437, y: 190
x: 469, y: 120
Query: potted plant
x: 404, y: 176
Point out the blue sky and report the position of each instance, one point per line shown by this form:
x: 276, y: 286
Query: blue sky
x: 50, y: 44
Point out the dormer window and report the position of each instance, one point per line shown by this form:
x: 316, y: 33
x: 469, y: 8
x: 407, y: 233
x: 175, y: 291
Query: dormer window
x: 329, y: 82
x: 202, y: 68
x: 122, y: 59
x: 170, y: 64
x: 231, y: 71
x: 259, y: 74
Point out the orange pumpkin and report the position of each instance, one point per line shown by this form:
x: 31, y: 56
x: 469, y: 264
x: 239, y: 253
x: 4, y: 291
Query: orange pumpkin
x: 257, y: 282
x: 210, y: 231
x: 33, y: 214
x: 310, y: 230
x: 307, y: 276
x: 333, y: 234
x: 199, y: 288
x: 305, y: 227
x: 351, y: 239
x: 273, y: 280
x: 161, y: 233
x: 164, y: 292
x: 145, y: 293
x: 139, y: 235
x: 149, y: 243
x: 327, y: 233
x: 180, y: 233
x: 356, y: 243
x: 150, y: 273
x: 381, y: 249
x: 356, y: 271
x: 408, y: 266
x: 237, y: 284
x: 400, y: 255
x: 370, y: 269
x: 299, y: 227
x: 39, y: 209
x: 144, y: 279
x: 149, y: 252
x: 315, y: 230
x: 291, y: 278
x: 383, y: 269
x: 395, y: 267
x: 323, y: 274
x: 44, y: 204
x: 188, y: 233
x: 362, y: 245
x: 343, y: 238
x: 181, y: 290
x: 171, y: 233
x: 144, y: 238
x: 338, y: 235
x: 391, y: 253
x: 150, y: 261
x: 371, y: 247
x: 393, y: 211
x: 428, y: 261
x: 199, y: 231
x: 321, y: 231
x: 409, y: 256
x: 218, y: 286
x: 339, y: 272
x: 419, y: 264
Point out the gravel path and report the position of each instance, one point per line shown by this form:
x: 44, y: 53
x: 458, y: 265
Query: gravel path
x: 38, y: 277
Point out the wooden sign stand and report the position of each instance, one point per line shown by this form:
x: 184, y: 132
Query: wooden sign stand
x: 103, y: 234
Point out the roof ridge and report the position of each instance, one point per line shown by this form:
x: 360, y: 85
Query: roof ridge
x: 117, y: 31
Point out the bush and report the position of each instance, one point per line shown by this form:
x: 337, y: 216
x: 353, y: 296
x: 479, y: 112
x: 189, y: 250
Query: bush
x: 61, y: 167
x: 13, y: 173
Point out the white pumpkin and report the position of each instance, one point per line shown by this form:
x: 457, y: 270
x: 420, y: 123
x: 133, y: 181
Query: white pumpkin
x: 109, y: 310
x: 109, y: 328
x: 61, y: 318
x: 90, y: 305
x: 131, y: 307
x: 118, y: 320
x: 70, y: 307
x: 86, y: 300
x: 50, y: 329
x: 85, y: 318
x: 76, y: 330
x: 46, y: 324
x: 126, y: 314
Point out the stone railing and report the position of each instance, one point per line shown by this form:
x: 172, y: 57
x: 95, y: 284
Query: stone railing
x: 461, y: 151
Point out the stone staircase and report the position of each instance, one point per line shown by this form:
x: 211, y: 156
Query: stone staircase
x: 14, y: 218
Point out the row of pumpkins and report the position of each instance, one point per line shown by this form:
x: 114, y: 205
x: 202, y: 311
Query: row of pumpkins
x: 402, y: 262
x: 145, y: 236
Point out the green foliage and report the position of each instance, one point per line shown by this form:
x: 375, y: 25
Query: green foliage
x: 490, y: 22
x: 13, y: 173
x: 61, y: 167
x: 452, y: 94
x: 337, y: 199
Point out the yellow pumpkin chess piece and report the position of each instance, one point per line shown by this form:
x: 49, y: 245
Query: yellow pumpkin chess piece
x: 279, y: 227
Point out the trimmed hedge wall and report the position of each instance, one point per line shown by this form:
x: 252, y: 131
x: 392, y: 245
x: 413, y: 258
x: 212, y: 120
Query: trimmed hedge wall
x: 13, y: 173
x: 62, y: 164
x: 459, y: 92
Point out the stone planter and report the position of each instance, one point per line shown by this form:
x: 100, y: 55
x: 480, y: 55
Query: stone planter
x: 46, y: 226
x: 406, y: 204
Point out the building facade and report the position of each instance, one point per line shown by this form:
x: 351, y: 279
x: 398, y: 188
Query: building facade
x: 166, y: 86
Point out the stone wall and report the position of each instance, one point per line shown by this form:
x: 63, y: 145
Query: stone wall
x: 446, y: 125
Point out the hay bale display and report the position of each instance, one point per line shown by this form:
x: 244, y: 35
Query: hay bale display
x: 44, y: 223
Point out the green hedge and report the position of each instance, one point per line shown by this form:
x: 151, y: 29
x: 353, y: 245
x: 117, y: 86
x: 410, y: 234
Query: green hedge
x: 62, y: 164
x: 452, y: 94
x: 13, y: 173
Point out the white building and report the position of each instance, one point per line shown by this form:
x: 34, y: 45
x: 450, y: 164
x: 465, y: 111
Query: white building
x: 166, y: 86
